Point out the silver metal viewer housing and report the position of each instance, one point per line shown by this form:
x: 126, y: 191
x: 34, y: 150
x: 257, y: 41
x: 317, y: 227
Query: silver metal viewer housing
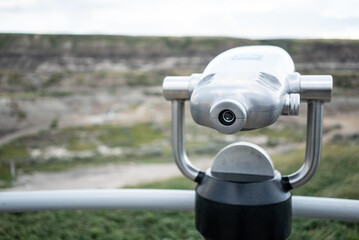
x: 247, y: 88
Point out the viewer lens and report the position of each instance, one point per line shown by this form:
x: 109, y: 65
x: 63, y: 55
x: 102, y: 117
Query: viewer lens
x: 227, y: 117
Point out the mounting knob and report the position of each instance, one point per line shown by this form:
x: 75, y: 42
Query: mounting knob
x: 243, y: 162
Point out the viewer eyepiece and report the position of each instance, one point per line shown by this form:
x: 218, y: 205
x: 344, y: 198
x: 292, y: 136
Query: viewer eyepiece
x: 227, y: 117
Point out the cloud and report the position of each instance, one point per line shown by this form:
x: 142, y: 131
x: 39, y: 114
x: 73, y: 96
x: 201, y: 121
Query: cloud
x: 253, y: 19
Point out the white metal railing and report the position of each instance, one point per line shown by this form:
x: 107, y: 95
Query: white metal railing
x: 156, y: 199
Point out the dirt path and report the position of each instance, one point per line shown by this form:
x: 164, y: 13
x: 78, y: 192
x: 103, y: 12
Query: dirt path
x: 113, y: 175
x: 106, y: 176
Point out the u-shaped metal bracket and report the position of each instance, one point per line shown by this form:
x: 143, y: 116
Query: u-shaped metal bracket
x: 297, y: 179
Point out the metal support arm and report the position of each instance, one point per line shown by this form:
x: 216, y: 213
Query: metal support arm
x: 313, y: 145
x: 179, y: 153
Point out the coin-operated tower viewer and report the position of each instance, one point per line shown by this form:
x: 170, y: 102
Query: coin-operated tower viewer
x: 242, y: 196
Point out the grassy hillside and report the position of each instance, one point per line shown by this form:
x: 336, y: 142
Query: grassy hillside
x: 338, y: 176
x: 86, y: 74
x: 38, y: 63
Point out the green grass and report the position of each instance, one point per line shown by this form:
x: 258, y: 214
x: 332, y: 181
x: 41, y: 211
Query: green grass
x: 84, y: 138
x: 338, y: 173
x: 133, y: 136
x: 86, y: 225
x: 337, y: 177
x: 76, y: 144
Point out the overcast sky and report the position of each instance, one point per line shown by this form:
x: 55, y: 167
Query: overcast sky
x: 237, y: 18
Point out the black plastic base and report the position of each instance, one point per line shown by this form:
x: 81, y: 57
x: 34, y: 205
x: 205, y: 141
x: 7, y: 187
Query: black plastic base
x: 255, y: 211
